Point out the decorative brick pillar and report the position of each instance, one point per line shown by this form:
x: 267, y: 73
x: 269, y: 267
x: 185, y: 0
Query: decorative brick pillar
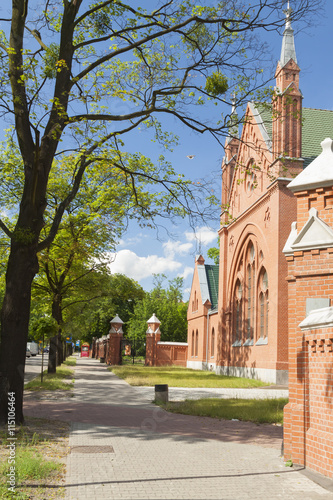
x: 308, y: 417
x: 114, y: 342
x: 153, y: 336
x: 94, y: 348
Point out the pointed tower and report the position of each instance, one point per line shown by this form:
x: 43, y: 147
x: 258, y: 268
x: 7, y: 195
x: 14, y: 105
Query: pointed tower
x: 287, y: 106
x: 229, y: 162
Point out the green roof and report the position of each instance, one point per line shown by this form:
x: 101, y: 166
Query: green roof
x: 317, y: 125
x: 212, y: 273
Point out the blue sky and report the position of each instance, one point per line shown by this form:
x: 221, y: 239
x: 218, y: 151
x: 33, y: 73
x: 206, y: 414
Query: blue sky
x: 141, y: 253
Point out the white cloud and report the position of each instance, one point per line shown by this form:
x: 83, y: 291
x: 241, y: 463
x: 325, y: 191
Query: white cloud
x: 133, y: 240
x: 171, y: 248
x: 205, y: 235
x: 188, y: 271
x: 135, y: 267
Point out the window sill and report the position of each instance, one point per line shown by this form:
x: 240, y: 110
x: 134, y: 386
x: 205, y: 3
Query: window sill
x: 262, y: 341
x: 238, y: 343
x: 248, y: 342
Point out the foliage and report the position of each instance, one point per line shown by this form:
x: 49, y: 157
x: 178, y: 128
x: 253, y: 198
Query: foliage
x: 169, y: 308
x: 41, y: 326
x: 177, y: 376
x: 214, y: 253
x: 259, y: 411
x: 118, y: 296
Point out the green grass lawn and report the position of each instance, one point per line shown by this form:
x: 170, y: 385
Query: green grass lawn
x: 176, y: 376
x: 251, y: 410
x: 71, y: 361
x: 62, y: 379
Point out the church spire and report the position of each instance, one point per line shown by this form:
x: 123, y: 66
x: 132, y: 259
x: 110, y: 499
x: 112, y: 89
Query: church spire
x: 288, y: 46
x: 287, y: 107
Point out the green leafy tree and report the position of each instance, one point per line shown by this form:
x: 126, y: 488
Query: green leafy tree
x: 119, y: 296
x: 81, y: 81
x: 214, y: 253
x: 168, y: 306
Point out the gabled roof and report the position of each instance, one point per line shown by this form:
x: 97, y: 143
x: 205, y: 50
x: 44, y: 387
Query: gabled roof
x: 212, y: 272
x: 317, y: 125
x: 319, y: 172
x: 315, y: 234
x: 209, y: 283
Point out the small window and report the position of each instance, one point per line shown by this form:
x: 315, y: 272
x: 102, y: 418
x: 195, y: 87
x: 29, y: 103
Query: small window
x: 212, y: 343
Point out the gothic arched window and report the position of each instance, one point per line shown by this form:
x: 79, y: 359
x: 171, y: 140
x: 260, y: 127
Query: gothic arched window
x: 250, y: 296
x: 212, y: 343
x: 237, y: 313
x: 263, y: 304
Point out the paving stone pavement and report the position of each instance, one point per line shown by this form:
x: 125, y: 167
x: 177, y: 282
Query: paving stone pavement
x: 123, y: 447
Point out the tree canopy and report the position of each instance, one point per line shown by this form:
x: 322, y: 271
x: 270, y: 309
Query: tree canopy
x: 167, y: 304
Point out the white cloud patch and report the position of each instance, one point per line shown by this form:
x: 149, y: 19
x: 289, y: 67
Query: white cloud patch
x: 172, y: 248
x: 135, y: 267
x: 205, y: 235
x: 133, y: 240
x: 188, y: 271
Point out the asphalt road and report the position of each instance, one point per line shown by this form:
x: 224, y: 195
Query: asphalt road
x: 33, y: 366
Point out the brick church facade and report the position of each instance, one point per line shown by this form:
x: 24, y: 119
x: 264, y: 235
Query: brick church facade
x: 238, y: 310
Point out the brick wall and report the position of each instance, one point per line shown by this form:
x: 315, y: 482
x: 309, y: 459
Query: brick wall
x: 164, y: 353
x: 308, y: 417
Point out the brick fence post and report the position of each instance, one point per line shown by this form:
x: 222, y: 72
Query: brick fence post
x: 114, y: 338
x: 153, y: 336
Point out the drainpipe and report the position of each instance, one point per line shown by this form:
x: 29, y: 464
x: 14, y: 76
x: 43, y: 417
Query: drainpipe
x: 207, y: 339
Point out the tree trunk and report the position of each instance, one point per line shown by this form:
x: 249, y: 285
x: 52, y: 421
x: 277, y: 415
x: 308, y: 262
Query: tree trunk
x: 21, y: 269
x: 57, y: 315
x: 60, y: 352
x: 52, y: 365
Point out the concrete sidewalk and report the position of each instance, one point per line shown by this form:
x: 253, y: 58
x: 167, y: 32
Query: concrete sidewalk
x: 124, y: 447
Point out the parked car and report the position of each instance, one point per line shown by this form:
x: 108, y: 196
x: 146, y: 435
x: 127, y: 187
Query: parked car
x: 27, y: 353
x: 33, y: 348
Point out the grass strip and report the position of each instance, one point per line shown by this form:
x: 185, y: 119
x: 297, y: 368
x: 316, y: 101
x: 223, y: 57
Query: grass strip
x: 176, y: 376
x: 70, y: 361
x: 62, y: 379
x: 259, y: 411
x: 41, y: 446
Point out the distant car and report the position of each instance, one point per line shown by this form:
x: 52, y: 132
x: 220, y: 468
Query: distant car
x: 46, y: 349
x: 33, y: 348
x: 27, y: 353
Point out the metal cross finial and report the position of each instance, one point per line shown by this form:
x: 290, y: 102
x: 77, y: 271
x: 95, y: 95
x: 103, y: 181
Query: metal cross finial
x: 288, y: 12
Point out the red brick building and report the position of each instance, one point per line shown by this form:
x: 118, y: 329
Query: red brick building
x: 238, y: 322
x: 308, y: 417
